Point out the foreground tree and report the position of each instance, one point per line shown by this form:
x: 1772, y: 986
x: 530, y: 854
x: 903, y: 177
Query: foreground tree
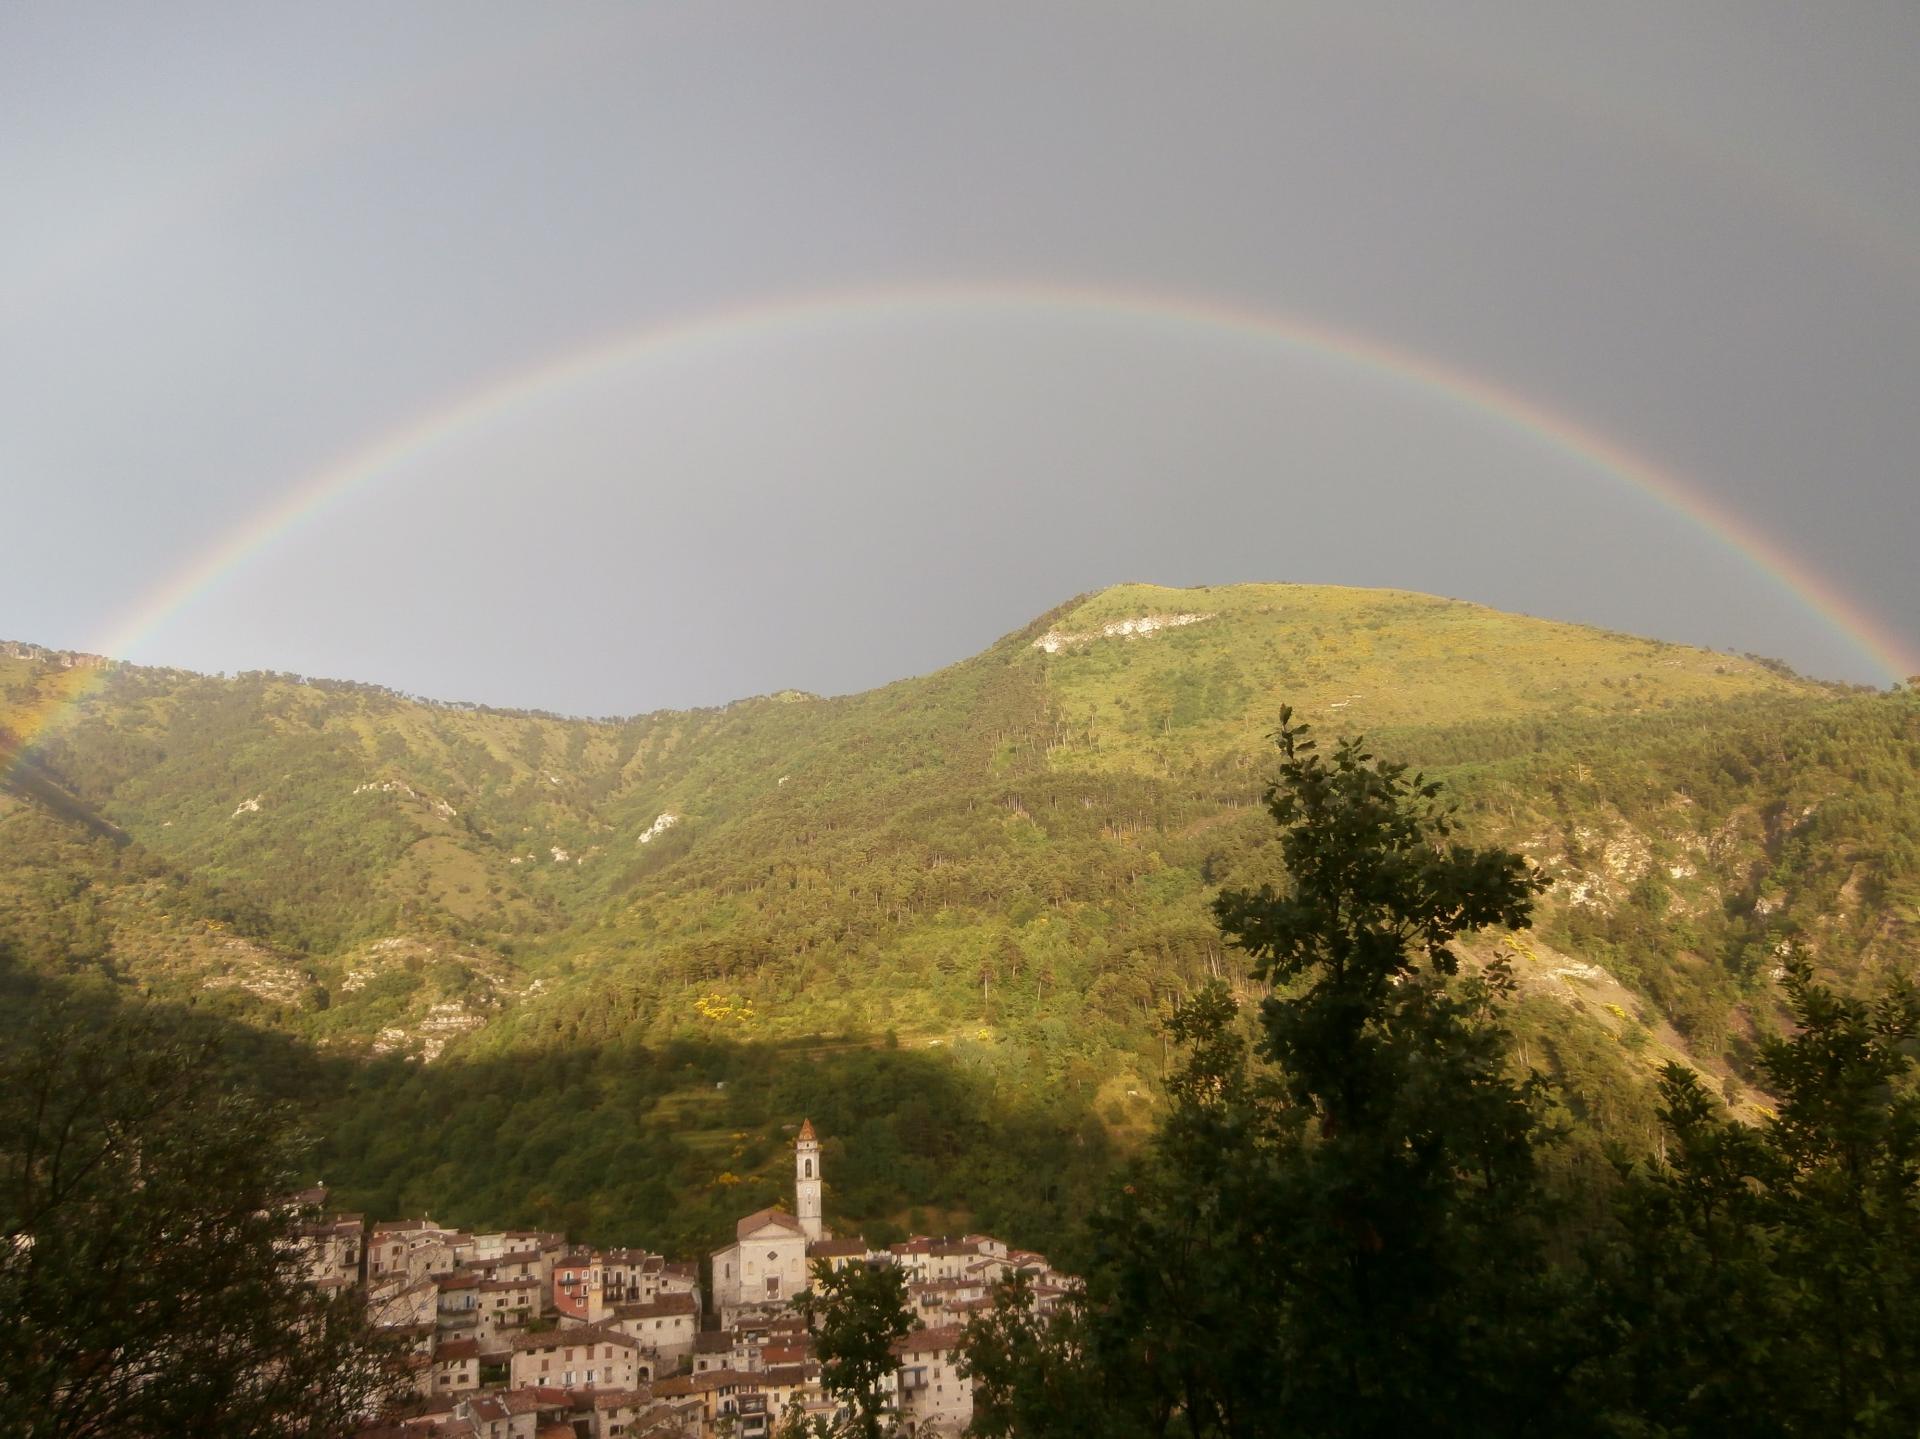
x: 1032, y: 1373
x: 1340, y: 1229
x: 1766, y: 1280
x: 146, y: 1271
x: 855, y: 1313
x: 1404, y: 1222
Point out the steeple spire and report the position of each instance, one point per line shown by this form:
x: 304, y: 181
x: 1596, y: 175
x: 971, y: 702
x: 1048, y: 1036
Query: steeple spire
x: 807, y: 1181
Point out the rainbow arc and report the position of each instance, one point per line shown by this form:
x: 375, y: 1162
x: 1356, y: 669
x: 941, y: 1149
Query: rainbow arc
x: 683, y: 339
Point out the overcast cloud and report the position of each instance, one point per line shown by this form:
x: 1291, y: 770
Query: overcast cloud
x: 242, y: 242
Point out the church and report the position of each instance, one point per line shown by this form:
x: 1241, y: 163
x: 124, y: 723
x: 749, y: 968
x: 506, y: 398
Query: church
x: 767, y: 1262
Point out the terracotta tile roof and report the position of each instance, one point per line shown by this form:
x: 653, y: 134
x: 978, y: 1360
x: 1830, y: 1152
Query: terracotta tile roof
x: 404, y: 1226
x: 923, y: 1341
x: 806, y: 1132
x: 772, y: 1214
x: 454, y: 1350
x: 536, y: 1396
x: 836, y: 1248
x: 712, y: 1342
x: 615, y: 1398
x: 320, y: 1228
x: 573, y: 1334
x: 711, y: 1379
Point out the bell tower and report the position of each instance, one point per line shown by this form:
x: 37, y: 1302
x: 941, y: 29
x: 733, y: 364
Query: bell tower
x: 806, y: 1182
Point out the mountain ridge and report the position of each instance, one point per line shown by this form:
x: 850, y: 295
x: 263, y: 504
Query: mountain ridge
x: 68, y: 658
x: 1005, y: 862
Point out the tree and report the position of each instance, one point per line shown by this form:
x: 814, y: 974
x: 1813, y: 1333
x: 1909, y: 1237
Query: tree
x: 1404, y: 1214
x: 855, y: 1313
x: 1031, y: 1374
x: 146, y: 1258
x: 1766, y: 1280
x: 1339, y: 1229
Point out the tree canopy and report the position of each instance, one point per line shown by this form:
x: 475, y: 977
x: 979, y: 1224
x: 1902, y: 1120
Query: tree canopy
x: 147, y: 1270
x: 856, y: 1311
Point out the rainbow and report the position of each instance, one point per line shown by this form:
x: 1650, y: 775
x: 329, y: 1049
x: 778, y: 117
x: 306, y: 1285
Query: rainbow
x: 683, y: 339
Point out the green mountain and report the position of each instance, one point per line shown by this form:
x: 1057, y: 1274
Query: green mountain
x: 947, y: 915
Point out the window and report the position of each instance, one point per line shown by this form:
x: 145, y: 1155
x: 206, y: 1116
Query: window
x: 809, y: 1169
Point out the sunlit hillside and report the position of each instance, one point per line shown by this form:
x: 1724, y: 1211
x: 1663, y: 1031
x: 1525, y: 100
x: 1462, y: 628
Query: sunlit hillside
x: 1001, y: 870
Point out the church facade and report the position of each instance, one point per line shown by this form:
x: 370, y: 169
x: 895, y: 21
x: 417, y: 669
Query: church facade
x: 766, y: 1265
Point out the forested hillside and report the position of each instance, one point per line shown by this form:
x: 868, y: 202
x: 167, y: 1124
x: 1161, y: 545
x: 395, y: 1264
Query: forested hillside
x: 948, y: 916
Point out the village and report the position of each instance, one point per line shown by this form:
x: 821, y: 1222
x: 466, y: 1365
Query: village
x: 521, y: 1335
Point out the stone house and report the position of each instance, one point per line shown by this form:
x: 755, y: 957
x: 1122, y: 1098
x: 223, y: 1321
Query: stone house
x: 617, y: 1413
x: 578, y: 1357
x: 787, y: 1385
x: 503, y: 1307
x: 666, y: 1328
x: 579, y: 1287
x: 515, y: 1413
x: 726, y: 1397
x: 458, y: 1305
x: 838, y: 1253
x: 395, y: 1302
x: 456, y: 1366
x: 930, y: 1396
x: 332, y: 1249
x: 681, y: 1277
x: 631, y: 1276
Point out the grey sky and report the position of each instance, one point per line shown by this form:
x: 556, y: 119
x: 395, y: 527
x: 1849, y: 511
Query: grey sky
x: 241, y: 242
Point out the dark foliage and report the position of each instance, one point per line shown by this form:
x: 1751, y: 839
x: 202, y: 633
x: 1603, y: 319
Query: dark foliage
x: 146, y: 1274
x: 856, y: 1312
